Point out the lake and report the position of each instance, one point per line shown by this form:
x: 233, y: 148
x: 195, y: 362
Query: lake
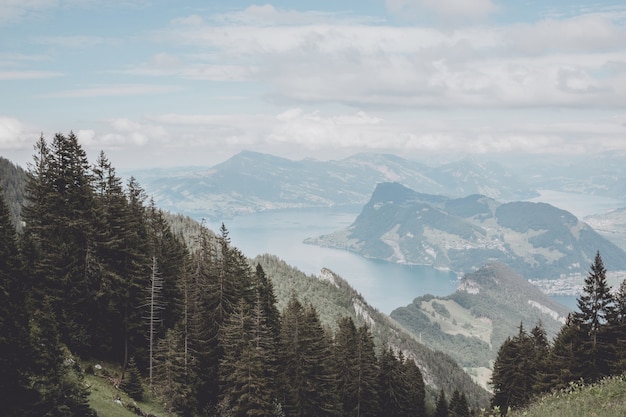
x: 384, y: 285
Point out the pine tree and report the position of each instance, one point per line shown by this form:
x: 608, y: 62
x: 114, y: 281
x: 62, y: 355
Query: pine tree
x: 129, y: 295
x: 15, y: 360
x: 458, y: 406
x: 267, y: 298
x: 59, y: 228
x: 171, y: 253
x: 416, y: 390
x: 309, y: 384
x: 55, y: 375
x: 172, y: 377
x: 391, y: 385
x: 357, y: 370
x: 595, y: 306
x: 132, y: 382
x: 515, y: 372
x: 616, y: 329
x: 441, y: 407
x: 245, y: 388
x: 562, y: 364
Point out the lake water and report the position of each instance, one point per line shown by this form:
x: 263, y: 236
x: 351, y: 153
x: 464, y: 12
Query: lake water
x: 384, y: 285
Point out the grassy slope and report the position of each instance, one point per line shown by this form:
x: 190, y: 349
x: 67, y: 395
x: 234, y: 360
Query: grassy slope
x: 605, y: 399
x: 103, y: 395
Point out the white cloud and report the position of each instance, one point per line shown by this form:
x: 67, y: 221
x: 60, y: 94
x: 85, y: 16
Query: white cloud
x: 314, y: 131
x: 449, y: 9
x: 374, y: 65
x: 14, y: 134
x: 596, y: 32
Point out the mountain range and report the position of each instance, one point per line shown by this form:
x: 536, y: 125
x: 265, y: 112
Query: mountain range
x: 251, y: 182
x: 537, y: 240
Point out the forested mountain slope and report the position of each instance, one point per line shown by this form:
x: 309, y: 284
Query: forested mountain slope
x: 537, y: 240
x: 333, y: 298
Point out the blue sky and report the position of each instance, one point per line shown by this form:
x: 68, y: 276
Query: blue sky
x: 164, y: 83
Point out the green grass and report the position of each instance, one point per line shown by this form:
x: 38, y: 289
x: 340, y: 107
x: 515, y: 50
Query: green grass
x: 103, y: 395
x: 604, y: 399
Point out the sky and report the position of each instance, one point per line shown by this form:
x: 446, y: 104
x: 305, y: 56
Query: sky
x: 162, y: 83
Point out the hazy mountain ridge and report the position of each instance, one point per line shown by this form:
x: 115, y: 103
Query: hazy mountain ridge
x: 600, y: 175
x: 537, y: 240
x: 251, y: 182
x: 473, y: 322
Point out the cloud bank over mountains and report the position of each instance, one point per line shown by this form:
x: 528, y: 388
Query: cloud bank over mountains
x: 403, y: 76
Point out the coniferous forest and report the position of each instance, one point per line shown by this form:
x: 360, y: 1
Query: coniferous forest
x: 96, y: 272
x: 589, y: 347
x: 92, y: 270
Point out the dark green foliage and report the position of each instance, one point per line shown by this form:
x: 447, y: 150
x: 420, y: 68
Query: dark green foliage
x: 309, y: 385
x: 561, y: 366
x: 15, y: 360
x: 59, y: 223
x: 441, y: 409
x: 587, y: 348
x: 132, y: 384
x: 415, y: 405
x: 356, y: 367
x: 172, y: 378
x: 517, y: 368
x: 245, y: 387
x: 595, y: 307
x: 458, y: 405
x: 392, y: 385
x: 12, y: 180
x: 55, y: 377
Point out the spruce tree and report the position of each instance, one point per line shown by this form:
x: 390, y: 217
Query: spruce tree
x: 245, y: 388
x: 441, y: 407
x: 172, y: 377
x: 309, y: 384
x: 595, y: 306
x: 59, y: 225
x: 392, y: 392
x: 357, y: 370
x: 515, y: 372
x: 616, y: 330
x: 55, y: 374
x: 416, y: 390
x: 562, y: 364
x: 132, y: 381
x: 15, y: 360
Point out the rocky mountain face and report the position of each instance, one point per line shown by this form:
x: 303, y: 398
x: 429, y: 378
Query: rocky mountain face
x: 471, y: 324
x: 537, y: 240
x: 251, y: 182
